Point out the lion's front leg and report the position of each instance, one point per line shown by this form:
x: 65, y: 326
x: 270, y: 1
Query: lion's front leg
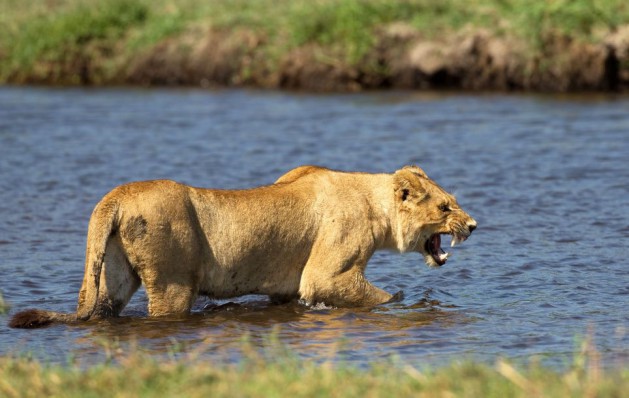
x: 340, y: 282
x: 352, y: 289
x: 349, y: 289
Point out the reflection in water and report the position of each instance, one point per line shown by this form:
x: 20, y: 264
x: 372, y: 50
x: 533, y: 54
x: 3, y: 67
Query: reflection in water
x: 316, y: 333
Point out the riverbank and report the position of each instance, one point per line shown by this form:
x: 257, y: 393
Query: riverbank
x: 133, y: 374
x: 550, y: 46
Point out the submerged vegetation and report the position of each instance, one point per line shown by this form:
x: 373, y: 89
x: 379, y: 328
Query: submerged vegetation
x: 132, y: 374
x: 353, y: 43
x: 4, y: 307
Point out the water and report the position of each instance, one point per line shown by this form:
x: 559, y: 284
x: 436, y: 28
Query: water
x: 547, y: 179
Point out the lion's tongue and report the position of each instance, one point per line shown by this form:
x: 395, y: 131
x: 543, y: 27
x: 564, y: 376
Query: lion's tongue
x: 437, y: 252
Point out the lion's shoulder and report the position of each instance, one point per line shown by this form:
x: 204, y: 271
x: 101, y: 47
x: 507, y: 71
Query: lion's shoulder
x: 322, y: 178
x: 299, y: 172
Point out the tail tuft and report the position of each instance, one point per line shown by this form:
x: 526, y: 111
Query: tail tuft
x: 30, y: 319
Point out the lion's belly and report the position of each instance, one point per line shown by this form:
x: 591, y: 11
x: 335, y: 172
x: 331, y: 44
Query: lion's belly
x: 270, y: 278
x: 255, y: 273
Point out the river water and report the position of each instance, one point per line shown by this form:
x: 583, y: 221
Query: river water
x: 547, y: 179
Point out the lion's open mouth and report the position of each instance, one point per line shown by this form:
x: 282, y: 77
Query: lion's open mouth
x: 433, y: 247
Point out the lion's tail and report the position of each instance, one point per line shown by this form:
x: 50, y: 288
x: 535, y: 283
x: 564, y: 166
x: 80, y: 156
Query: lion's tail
x: 102, y: 224
x: 39, y: 318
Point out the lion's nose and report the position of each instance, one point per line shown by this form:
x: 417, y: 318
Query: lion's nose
x: 472, y: 227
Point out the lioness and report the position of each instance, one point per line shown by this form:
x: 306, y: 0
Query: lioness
x: 307, y: 236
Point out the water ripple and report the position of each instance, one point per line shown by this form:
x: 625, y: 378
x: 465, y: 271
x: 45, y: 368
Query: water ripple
x: 545, y: 178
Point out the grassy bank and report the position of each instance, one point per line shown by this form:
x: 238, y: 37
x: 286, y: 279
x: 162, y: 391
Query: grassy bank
x: 138, y: 375
x: 273, y: 43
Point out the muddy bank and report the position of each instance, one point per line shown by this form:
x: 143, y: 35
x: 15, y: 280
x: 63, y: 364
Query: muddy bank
x: 401, y: 58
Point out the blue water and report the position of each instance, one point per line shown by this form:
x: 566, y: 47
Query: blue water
x: 547, y: 179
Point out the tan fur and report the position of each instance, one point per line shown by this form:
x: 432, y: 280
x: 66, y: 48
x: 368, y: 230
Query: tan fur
x: 308, y: 236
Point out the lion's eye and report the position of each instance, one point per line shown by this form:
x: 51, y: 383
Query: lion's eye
x: 444, y: 208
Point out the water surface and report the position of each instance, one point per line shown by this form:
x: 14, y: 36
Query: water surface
x: 547, y: 179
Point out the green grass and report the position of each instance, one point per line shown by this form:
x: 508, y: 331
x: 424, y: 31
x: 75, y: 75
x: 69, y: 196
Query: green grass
x: 113, y: 32
x: 49, y: 37
x: 134, y: 374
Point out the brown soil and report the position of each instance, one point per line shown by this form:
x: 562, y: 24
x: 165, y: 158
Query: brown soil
x: 476, y: 60
x: 401, y: 58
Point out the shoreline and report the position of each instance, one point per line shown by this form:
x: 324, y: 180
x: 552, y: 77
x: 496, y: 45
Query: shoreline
x: 470, y: 61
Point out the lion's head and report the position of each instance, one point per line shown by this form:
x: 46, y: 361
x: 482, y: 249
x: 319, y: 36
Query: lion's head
x: 425, y: 211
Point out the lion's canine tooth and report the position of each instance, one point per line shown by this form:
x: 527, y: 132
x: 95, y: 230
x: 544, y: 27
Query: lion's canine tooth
x: 455, y: 240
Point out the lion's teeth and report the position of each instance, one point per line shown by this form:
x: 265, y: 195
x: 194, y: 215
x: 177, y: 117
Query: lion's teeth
x: 454, y: 241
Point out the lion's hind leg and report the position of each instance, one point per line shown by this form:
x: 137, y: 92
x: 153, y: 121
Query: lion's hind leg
x: 170, y: 299
x: 118, y: 282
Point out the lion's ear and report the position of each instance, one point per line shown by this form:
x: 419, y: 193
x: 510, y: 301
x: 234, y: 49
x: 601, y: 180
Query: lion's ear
x: 415, y: 170
x: 407, y: 183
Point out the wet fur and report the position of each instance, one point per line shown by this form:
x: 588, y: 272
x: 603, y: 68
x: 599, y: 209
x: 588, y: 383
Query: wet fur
x: 308, y: 236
